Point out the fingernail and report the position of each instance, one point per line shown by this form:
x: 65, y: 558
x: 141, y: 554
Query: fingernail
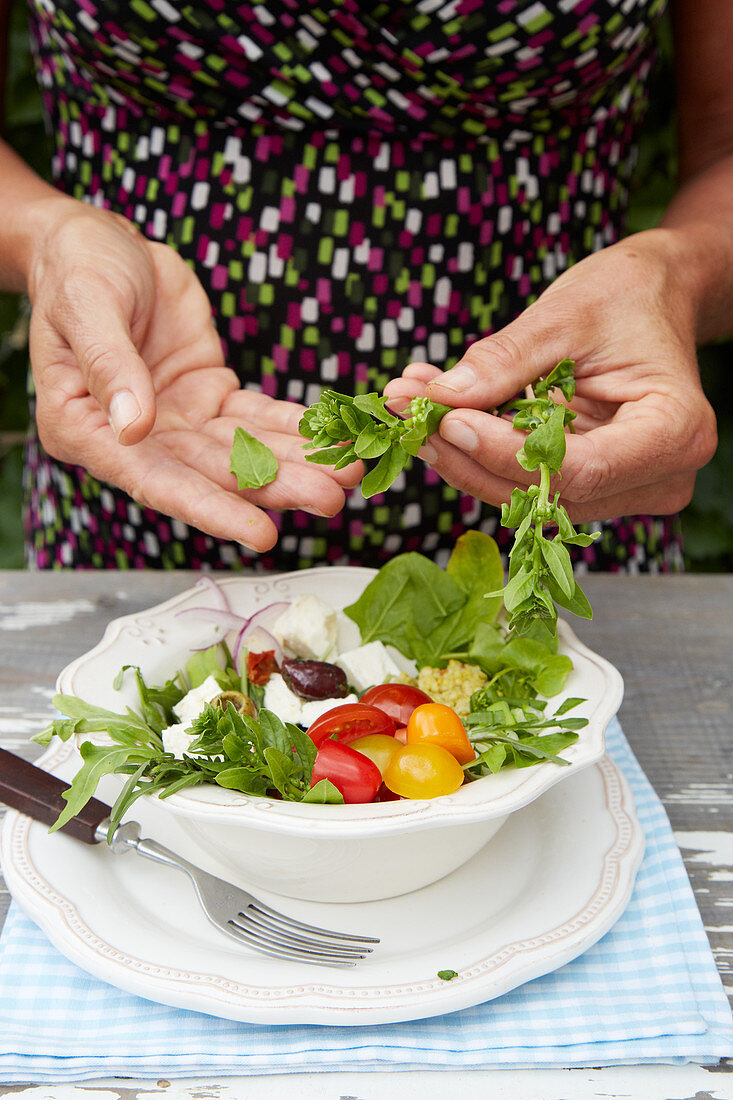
x: 458, y: 378
x: 428, y: 453
x: 123, y: 411
x: 397, y: 404
x: 460, y: 435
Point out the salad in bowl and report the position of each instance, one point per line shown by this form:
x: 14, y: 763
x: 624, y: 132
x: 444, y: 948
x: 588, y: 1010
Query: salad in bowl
x: 337, y: 733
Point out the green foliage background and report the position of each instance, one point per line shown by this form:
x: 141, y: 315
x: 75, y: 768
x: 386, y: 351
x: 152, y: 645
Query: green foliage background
x: 707, y: 522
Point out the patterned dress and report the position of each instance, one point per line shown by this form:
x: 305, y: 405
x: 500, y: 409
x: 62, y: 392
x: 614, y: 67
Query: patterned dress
x: 358, y: 184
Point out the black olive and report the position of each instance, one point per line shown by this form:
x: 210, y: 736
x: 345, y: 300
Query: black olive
x: 314, y: 679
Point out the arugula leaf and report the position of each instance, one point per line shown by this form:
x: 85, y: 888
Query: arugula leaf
x: 252, y: 462
x: 98, y: 761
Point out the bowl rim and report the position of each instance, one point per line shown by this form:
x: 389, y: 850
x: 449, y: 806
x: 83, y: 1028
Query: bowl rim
x: 468, y: 805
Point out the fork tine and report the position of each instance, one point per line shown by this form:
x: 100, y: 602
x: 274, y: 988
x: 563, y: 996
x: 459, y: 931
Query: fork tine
x: 250, y: 921
x: 282, y: 926
x: 284, y: 951
x: 292, y: 923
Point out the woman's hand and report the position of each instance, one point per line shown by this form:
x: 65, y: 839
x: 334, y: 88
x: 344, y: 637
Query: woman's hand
x: 131, y: 382
x: 644, y: 426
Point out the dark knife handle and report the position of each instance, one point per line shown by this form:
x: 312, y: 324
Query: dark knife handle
x: 36, y: 793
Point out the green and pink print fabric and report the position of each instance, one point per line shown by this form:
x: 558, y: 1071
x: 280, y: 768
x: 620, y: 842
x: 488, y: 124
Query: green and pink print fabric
x: 357, y: 185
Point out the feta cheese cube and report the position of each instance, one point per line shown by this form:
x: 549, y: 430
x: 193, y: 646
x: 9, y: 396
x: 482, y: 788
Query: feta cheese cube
x: 348, y: 635
x: 307, y: 629
x: 191, y: 705
x: 317, y: 707
x: 368, y: 665
x: 176, y: 740
x: 282, y: 701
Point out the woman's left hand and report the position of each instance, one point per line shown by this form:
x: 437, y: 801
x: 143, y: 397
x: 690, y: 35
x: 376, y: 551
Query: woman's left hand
x: 644, y: 427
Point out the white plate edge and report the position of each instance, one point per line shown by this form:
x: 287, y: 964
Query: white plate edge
x: 65, y: 928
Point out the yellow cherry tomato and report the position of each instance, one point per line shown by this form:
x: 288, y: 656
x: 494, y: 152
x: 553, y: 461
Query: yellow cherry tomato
x: 436, y: 724
x: 423, y: 771
x: 378, y: 747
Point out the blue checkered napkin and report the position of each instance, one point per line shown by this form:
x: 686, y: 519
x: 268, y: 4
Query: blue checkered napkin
x: 649, y: 991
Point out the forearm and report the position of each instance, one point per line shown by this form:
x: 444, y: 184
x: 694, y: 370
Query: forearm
x: 700, y: 222
x: 28, y: 205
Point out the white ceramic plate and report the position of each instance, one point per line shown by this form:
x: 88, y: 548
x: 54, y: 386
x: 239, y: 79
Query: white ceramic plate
x: 159, y: 642
x: 554, y: 879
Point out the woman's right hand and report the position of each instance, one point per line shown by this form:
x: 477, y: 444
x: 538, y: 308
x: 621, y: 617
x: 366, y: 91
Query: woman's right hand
x: 131, y: 382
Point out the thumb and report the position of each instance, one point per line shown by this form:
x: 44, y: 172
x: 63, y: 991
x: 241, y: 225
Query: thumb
x: 117, y: 376
x: 496, y: 368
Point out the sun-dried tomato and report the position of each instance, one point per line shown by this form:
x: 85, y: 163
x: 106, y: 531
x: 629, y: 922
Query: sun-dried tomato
x: 261, y: 666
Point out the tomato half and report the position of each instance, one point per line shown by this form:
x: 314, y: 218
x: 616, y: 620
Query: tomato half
x: 377, y: 747
x: 423, y: 771
x: 436, y: 724
x: 396, y: 700
x: 349, y: 721
x: 354, y: 774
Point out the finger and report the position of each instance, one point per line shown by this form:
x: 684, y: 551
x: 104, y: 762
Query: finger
x: 156, y: 477
x: 285, y: 447
x: 646, y: 443
x: 658, y: 499
x: 296, y: 485
x: 468, y: 475
x: 400, y: 391
x: 665, y: 497
x: 267, y: 412
x: 497, y: 367
x: 421, y: 372
x: 112, y: 369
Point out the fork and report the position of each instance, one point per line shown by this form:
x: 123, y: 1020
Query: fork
x: 234, y: 911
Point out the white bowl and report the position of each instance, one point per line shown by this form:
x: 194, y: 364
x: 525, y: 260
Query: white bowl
x: 332, y: 853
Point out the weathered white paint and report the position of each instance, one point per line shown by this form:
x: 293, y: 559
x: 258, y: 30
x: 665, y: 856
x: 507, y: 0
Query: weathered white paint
x: 28, y: 616
x: 711, y: 847
x: 627, y: 1082
x: 702, y: 794
x: 17, y: 724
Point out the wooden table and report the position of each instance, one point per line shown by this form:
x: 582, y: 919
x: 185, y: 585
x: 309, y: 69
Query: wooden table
x: 671, y: 638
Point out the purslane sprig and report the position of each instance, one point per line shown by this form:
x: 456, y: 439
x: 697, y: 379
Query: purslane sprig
x: 540, y: 570
x: 343, y: 429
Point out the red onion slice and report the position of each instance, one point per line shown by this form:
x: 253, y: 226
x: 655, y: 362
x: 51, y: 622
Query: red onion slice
x: 228, y: 620
x: 253, y: 623
x: 205, y: 581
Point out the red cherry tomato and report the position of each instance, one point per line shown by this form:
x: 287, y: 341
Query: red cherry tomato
x: 349, y: 721
x: 436, y: 724
x: 351, y: 772
x: 396, y: 700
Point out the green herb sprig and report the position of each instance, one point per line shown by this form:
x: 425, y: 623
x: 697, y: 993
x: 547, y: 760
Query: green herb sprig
x: 343, y: 429
x: 251, y: 755
x: 540, y: 570
x: 507, y: 731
